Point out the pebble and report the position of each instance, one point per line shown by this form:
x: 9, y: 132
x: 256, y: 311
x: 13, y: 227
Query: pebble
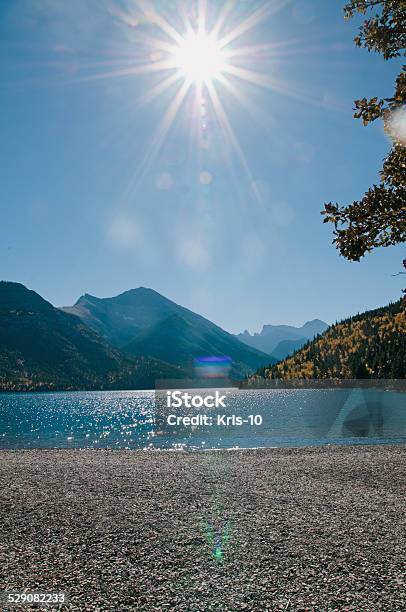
x: 316, y: 529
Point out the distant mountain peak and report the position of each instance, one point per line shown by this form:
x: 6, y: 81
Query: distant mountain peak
x: 280, y: 338
x: 315, y: 326
x: 85, y: 298
x: 368, y: 345
x: 138, y: 290
x: 140, y: 294
x: 314, y: 321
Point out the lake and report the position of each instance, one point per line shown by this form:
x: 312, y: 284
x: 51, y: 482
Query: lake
x: 129, y: 420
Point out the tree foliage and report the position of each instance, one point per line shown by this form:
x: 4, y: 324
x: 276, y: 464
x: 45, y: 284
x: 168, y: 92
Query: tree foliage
x: 379, y: 218
x: 368, y: 345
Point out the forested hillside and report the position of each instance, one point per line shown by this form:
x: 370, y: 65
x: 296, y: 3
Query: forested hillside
x: 368, y: 345
x: 43, y: 348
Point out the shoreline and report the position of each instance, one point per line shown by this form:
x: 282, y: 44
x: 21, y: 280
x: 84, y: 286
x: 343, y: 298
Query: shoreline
x: 237, y: 449
x: 314, y: 528
x: 385, y: 384
x: 363, y: 443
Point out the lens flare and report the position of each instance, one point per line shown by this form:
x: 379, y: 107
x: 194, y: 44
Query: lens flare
x: 212, y: 367
x: 396, y: 126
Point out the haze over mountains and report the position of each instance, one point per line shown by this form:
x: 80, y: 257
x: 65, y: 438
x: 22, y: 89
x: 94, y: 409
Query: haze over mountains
x: 283, y: 340
x: 143, y: 322
x: 43, y: 348
x: 127, y: 341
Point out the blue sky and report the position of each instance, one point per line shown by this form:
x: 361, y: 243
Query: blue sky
x: 241, y: 243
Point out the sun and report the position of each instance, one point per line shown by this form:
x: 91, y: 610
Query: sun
x: 200, y: 58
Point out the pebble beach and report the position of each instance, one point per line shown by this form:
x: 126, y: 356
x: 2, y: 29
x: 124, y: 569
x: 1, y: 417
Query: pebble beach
x: 272, y: 529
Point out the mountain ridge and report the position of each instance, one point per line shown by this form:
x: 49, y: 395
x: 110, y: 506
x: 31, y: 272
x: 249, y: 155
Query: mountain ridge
x: 44, y: 348
x: 132, y: 321
x: 270, y: 337
x: 371, y: 344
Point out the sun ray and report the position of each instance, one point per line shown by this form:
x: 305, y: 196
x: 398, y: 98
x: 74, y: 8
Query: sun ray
x: 196, y: 129
x: 274, y: 84
x: 250, y: 51
x: 185, y: 18
x: 125, y: 72
x: 160, y: 88
x: 159, y: 135
x: 238, y: 94
x: 154, y: 17
x: 249, y: 75
x: 202, y: 16
x: 228, y: 129
x: 153, y: 42
x: 221, y: 20
x: 226, y: 126
x: 252, y: 20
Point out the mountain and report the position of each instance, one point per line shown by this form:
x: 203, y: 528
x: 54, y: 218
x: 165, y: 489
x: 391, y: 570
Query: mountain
x: 119, y: 319
x: 271, y: 336
x: 287, y: 347
x: 42, y: 347
x: 143, y: 322
x: 178, y: 339
x: 368, y: 345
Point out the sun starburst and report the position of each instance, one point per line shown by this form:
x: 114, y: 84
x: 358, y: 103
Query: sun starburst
x: 200, y: 58
x: 193, y: 49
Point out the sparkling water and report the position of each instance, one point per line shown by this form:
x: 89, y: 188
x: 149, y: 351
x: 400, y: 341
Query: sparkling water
x: 127, y: 420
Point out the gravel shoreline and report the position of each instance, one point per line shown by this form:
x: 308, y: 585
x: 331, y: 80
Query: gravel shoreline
x: 273, y: 529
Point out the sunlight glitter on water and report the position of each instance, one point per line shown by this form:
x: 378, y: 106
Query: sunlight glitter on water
x: 126, y: 419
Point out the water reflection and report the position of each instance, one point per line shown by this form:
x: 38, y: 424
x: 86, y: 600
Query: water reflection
x: 127, y: 419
